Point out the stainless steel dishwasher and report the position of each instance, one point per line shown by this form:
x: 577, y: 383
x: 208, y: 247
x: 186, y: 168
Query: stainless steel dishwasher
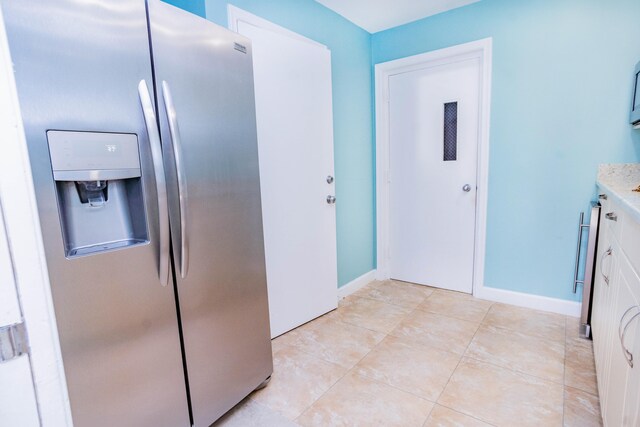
x: 589, y: 266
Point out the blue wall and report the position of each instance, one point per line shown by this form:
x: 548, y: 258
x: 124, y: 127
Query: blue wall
x: 561, y: 94
x: 560, y: 105
x: 194, y: 6
x: 353, y: 122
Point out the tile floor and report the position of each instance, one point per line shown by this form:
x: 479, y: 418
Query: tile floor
x: 397, y: 354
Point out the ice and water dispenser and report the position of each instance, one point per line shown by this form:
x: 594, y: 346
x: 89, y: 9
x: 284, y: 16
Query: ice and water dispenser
x: 99, y: 190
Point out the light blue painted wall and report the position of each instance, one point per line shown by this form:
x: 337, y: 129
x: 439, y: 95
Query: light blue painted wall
x: 194, y: 6
x: 561, y: 91
x: 560, y: 105
x: 353, y: 121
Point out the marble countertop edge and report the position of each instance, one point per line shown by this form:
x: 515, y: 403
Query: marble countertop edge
x: 618, y: 181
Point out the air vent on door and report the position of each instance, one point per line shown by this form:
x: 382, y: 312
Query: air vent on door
x: 450, y: 131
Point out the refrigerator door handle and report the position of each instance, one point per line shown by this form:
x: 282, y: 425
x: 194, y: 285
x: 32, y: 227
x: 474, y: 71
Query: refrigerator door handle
x: 174, y: 130
x: 161, y: 185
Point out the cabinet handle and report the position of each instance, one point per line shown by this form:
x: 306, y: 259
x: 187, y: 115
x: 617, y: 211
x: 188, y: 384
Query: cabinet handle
x: 623, y: 330
x: 611, y: 216
x: 602, y: 196
x: 604, y: 256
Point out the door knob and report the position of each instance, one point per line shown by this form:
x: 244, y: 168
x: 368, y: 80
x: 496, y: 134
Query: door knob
x: 466, y: 188
x: 331, y: 200
x: 329, y: 179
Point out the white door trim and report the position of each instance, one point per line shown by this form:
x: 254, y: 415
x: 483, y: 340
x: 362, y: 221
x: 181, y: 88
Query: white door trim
x: 481, y: 49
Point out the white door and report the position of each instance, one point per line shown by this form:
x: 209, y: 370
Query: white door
x: 434, y: 122
x: 295, y: 142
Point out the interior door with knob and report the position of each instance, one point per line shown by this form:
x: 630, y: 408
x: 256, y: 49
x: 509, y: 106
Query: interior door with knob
x: 295, y: 143
x: 434, y: 121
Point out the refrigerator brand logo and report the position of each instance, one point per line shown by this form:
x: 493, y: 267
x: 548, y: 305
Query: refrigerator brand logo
x: 240, y: 48
x: 111, y: 148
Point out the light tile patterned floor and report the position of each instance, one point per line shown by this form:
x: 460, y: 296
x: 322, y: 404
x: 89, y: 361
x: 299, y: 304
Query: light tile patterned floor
x: 397, y: 354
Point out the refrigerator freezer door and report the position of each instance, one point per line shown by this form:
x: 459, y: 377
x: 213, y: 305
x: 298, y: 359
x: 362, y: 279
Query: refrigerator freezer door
x: 207, y: 76
x: 78, y: 66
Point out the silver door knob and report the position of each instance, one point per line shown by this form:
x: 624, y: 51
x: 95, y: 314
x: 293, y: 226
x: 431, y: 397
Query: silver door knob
x: 466, y: 188
x: 329, y: 179
x: 331, y: 200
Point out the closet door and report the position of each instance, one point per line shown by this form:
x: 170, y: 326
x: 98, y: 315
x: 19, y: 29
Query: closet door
x: 295, y: 143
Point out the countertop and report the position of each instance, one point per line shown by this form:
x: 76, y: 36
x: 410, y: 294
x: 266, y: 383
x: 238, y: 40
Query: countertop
x: 618, y: 181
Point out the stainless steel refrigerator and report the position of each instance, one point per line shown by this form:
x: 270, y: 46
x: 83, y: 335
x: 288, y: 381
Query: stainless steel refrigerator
x: 140, y: 124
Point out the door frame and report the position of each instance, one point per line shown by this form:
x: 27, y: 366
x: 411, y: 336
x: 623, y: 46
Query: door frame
x: 480, y: 49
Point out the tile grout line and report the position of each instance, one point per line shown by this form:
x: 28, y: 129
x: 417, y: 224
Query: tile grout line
x: 421, y: 345
x: 346, y: 372
x: 561, y: 382
x: 462, y: 355
x: 353, y: 369
x: 391, y: 303
x: 563, y: 342
x: 388, y: 334
x: 526, y: 374
x: 527, y: 334
x: 467, y: 415
x: 307, y: 407
x: 385, y: 335
x: 458, y: 365
x: 322, y: 359
x: 424, y: 423
x: 372, y: 330
x: 470, y: 297
x: 516, y: 372
x: 501, y: 367
x: 580, y: 341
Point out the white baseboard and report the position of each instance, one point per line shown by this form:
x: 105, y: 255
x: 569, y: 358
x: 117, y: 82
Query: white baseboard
x: 537, y: 302
x: 520, y: 299
x: 356, y: 284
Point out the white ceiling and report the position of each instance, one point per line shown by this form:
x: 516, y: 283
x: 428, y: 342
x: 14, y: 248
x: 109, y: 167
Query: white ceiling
x: 378, y: 15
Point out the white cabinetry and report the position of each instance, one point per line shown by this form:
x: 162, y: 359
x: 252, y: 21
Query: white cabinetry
x: 627, y: 364
x: 616, y: 316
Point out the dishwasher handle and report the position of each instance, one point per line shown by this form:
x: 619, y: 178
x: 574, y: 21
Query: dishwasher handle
x: 581, y: 227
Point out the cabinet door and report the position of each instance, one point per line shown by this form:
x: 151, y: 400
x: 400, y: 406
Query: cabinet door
x: 632, y: 343
x: 600, y: 293
x: 619, y: 370
x: 602, y: 317
x: 632, y: 395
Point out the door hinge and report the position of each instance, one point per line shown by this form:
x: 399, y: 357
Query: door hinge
x: 13, y: 341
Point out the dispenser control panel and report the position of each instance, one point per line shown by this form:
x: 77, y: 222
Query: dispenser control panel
x: 93, y: 155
